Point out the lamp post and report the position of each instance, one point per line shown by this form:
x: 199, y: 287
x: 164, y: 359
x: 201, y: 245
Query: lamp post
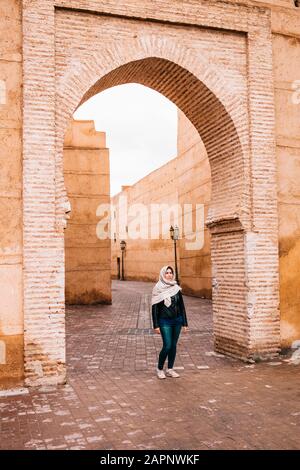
x: 123, y: 247
x: 174, y: 232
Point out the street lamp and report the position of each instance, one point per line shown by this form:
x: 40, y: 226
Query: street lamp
x: 123, y: 247
x: 174, y: 233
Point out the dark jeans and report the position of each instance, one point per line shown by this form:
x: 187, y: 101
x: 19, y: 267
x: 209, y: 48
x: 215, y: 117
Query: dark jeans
x: 170, y: 335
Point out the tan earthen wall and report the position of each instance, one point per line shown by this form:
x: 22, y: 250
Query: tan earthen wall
x: 145, y: 257
x: 44, y: 199
x: 183, y: 180
x: 223, y: 47
x: 86, y: 172
x: 11, y: 216
x: 194, y: 186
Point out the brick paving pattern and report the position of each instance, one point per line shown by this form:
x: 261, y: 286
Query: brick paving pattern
x: 113, y: 399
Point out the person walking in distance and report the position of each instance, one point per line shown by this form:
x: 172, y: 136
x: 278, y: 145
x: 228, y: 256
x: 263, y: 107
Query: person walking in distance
x: 169, y: 317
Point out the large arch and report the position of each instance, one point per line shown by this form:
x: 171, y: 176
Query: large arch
x: 243, y: 228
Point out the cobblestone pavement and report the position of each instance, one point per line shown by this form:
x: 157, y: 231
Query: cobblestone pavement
x: 113, y: 399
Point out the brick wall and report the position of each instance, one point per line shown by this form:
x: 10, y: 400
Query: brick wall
x: 145, y: 256
x: 214, y: 61
x: 86, y: 173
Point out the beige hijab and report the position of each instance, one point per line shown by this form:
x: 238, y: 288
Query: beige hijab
x: 164, y: 289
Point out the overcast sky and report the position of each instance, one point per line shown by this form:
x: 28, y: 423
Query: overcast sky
x: 141, y: 130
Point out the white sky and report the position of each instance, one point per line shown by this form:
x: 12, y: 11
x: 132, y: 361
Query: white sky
x: 141, y: 130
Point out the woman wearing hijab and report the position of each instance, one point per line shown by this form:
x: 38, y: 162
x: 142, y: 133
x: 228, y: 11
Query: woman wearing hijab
x: 169, y: 316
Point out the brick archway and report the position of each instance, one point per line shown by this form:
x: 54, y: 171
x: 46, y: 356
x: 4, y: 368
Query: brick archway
x: 202, y: 105
x: 236, y: 128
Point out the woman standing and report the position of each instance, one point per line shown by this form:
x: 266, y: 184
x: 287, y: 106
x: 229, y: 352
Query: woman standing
x: 169, y: 316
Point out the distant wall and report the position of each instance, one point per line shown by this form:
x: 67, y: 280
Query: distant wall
x: 194, y: 186
x: 286, y: 50
x: 144, y: 258
x: 86, y: 172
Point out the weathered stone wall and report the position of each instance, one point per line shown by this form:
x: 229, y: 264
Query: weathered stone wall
x: 86, y: 172
x: 196, y: 54
x: 183, y: 180
x: 11, y: 243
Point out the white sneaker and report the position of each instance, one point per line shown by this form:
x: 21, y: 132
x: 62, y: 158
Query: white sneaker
x: 160, y: 374
x: 172, y: 373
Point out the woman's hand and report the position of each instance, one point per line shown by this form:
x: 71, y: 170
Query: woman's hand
x: 157, y: 330
x: 185, y: 328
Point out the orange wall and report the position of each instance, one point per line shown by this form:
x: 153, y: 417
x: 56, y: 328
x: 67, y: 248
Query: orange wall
x: 11, y: 210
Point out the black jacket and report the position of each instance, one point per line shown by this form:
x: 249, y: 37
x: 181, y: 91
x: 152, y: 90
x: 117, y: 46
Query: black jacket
x: 160, y: 310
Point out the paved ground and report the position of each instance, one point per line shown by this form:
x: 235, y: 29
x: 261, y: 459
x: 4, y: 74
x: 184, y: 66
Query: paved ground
x: 113, y: 399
